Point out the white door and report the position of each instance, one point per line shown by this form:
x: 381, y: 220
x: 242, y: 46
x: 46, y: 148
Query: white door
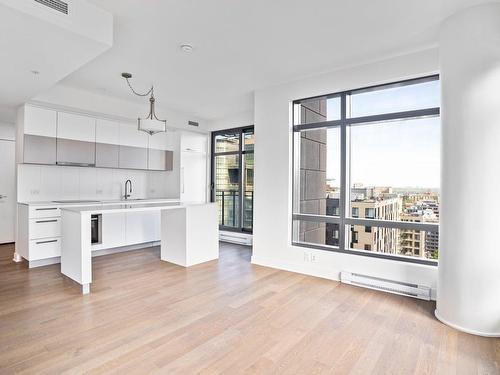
x: 7, y: 191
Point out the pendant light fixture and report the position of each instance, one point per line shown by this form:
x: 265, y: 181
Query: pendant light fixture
x: 151, y: 124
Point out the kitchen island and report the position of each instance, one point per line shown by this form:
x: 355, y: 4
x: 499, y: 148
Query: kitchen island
x: 189, y: 235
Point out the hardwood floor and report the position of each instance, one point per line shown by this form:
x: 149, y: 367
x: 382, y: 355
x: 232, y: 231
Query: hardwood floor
x: 145, y: 316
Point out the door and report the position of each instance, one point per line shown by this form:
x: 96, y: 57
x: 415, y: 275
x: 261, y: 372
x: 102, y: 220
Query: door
x: 232, y: 178
x: 7, y: 191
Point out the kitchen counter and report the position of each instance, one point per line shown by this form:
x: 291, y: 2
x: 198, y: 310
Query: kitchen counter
x: 101, y: 202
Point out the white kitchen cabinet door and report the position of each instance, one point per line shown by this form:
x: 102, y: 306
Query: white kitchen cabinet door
x: 40, y: 121
x: 194, y: 142
x: 158, y: 141
x: 113, y: 230
x: 75, y: 127
x: 143, y: 227
x: 130, y: 136
x: 193, y: 177
x: 107, y: 132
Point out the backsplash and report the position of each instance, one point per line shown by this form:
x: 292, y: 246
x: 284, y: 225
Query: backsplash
x: 46, y: 183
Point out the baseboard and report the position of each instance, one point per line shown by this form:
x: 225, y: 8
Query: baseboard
x: 462, y: 329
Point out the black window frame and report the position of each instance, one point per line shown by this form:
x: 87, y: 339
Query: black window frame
x: 346, y: 219
x: 240, y: 131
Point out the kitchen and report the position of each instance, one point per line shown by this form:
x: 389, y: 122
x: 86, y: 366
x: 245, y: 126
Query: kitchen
x: 69, y: 159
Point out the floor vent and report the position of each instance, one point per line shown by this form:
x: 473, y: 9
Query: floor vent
x: 390, y: 286
x: 58, y: 5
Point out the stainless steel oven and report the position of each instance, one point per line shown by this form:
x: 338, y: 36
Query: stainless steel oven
x: 95, y: 229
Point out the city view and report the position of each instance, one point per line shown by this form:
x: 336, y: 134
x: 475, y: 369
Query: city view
x: 387, y: 203
x: 391, y: 166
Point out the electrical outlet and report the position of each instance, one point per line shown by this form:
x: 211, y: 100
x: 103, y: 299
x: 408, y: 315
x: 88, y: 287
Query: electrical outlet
x: 309, y: 257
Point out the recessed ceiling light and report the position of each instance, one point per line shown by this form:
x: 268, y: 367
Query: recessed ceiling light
x: 186, y: 48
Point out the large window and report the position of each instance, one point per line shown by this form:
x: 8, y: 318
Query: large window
x: 232, y: 177
x: 366, y: 171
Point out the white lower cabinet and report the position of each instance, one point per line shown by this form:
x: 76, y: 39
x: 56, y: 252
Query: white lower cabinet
x: 39, y: 231
x: 113, y: 230
x: 44, y: 248
x: 45, y: 227
x: 143, y: 227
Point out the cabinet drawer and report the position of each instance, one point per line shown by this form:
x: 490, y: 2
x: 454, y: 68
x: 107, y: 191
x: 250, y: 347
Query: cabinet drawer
x: 44, y: 248
x: 36, y: 212
x: 45, y: 227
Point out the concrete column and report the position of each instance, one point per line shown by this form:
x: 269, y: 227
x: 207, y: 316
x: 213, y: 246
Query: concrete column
x: 469, y: 260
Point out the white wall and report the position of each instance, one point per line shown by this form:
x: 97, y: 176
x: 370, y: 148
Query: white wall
x: 234, y: 121
x: 7, y: 131
x: 273, y: 172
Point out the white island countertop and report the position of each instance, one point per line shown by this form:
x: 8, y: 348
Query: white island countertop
x: 126, y: 207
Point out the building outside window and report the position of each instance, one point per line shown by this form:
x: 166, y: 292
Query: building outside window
x: 232, y: 177
x: 369, y: 158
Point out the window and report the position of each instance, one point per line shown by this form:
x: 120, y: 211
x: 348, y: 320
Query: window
x: 367, y: 161
x: 232, y: 177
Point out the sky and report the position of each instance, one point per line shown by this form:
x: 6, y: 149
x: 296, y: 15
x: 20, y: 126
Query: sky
x: 398, y: 153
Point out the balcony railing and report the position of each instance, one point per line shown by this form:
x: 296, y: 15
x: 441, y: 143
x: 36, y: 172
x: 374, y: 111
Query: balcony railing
x: 229, y: 208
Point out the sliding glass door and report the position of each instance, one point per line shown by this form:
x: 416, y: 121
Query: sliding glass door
x: 232, y: 177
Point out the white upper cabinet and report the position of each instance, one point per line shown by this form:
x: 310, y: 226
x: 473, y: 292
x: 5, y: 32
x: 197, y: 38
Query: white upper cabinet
x: 130, y: 136
x: 163, y: 141
x: 75, y: 127
x: 194, y: 142
x: 107, y: 132
x: 40, y: 121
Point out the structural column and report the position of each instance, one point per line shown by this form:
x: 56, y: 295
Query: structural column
x: 468, y: 295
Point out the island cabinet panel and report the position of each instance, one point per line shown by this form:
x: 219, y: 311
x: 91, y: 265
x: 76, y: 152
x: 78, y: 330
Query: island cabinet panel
x: 143, y: 227
x: 113, y: 230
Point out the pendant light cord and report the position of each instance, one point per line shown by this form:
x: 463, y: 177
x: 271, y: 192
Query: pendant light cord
x: 135, y: 92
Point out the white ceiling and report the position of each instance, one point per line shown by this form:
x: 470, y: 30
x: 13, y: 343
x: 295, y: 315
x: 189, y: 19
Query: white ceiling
x: 243, y: 45
x: 34, y: 38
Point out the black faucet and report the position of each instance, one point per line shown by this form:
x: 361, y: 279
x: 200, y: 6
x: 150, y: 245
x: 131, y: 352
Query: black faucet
x: 126, y: 196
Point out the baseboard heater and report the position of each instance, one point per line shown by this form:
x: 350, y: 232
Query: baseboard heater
x: 235, y: 238
x: 390, y: 286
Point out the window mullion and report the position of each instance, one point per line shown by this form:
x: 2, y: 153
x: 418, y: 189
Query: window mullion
x: 343, y: 172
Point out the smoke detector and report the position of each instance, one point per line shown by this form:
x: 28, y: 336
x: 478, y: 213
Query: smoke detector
x: 186, y: 48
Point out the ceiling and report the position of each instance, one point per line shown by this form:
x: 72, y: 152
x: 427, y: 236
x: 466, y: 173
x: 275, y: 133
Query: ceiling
x: 38, y: 48
x: 243, y: 45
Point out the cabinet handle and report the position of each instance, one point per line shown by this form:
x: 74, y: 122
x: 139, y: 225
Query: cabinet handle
x: 46, y: 209
x: 182, y: 180
x: 46, y: 221
x: 49, y: 241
